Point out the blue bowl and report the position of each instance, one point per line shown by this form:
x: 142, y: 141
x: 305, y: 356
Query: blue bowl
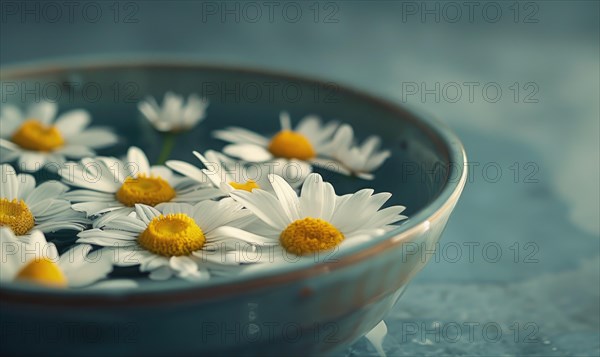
x: 299, y: 309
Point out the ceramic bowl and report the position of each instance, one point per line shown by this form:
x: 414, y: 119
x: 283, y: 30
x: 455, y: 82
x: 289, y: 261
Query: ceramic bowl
x: 299, y: 309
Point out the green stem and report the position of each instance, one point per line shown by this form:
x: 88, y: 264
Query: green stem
x: 168, y: 144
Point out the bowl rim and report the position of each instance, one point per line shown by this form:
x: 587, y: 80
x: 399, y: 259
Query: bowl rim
x: 443, y: 204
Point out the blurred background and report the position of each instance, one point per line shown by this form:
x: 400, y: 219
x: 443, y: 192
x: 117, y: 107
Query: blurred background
x: 517, y: 271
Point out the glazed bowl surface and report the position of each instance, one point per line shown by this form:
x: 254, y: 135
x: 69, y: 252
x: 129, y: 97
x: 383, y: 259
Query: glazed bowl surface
x: 298, y: 309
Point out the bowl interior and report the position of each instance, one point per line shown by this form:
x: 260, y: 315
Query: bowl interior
x: 416, y: 173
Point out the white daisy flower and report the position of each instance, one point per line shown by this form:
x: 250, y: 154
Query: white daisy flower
x: 310, y: 141
x: 35, y: 138
x: 318, y: 220
x: 228, y: 175
x: 175, y: 239
x: 174, y: 115
x: 37, y: 261
x: 25, y: 207
x: 112, y: 185
x: 357, y: 160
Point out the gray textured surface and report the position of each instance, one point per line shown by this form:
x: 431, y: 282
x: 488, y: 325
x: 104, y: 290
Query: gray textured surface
x: 542, y: 294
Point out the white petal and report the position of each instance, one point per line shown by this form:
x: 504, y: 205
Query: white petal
x: 287, y: 197
x: 162, y: 273
x: 370, y: 144
x: 75, y: 255
x: 285, y: 121
x: 8, y: 156
x: 76, y: 151
x: 197, y: 194
x: 8, y: 127
x: 194, y: 110
x: 26, y: 185
x: 38, y: 239
x: 146, y: 213
x: 174, y: 208
x: 165, y: 173
x: 232, y: 235
x: 44, y: 209
x: 94, y: 208
x: 11, y: 112
x: 248, y: 152
x: 150, y: 109
x: 136, y: 157
x: 153, y: 262
x: 344, y: 137
x: 238, y: 135
x: 73, y: 122
x: 43, y: 111
x: 9, y: 145
x: 131, y: 255
x: 96, y: 267
x: 331, y: 165
x: 9, y: 184
x: 45, y: 191
x: 350, y: 215
x: 214, y: 167
x: 187, y: 170
x: 119, y: 170
x: 120, y: 237
x: 386, y: 216
x: 365, y: 176
x: 210, y: 214
x: 108, y: 242
x: 32, y: 161
x: 11, y: 117
x: 89, y: 196
x: 309, y: 125
x: 292, y: 171
x: 103, y: 219
x: 127, y: 224
x: 51, y: 227
x: 264, y: 205
x: 376, y: 160
x: 183, y: 264
x: 317, y: 198
x: 94, y: 138
x: 99, y: 176
x: 319, y: 136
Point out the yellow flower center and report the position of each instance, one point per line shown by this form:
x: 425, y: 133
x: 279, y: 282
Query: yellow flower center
x: 42, y: 271
x: 291, y: 145
x: 310, y: 235
x: 248, y: 186
x: 146, y: 190
x: 33, y: 135
x: 172, y: 235
x: 16, y: 215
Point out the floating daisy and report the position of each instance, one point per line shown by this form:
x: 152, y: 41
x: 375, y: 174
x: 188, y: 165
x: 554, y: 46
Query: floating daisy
x: 111, y: 185
x: 310, y: 141
x: 174, y: 115
x: 36, y: 139
x: 25, y: 207
x: 37, y: 261
x: 357, y: 160
x: 228, y: 175
x: 174, y: 239
x: 318, y: 220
